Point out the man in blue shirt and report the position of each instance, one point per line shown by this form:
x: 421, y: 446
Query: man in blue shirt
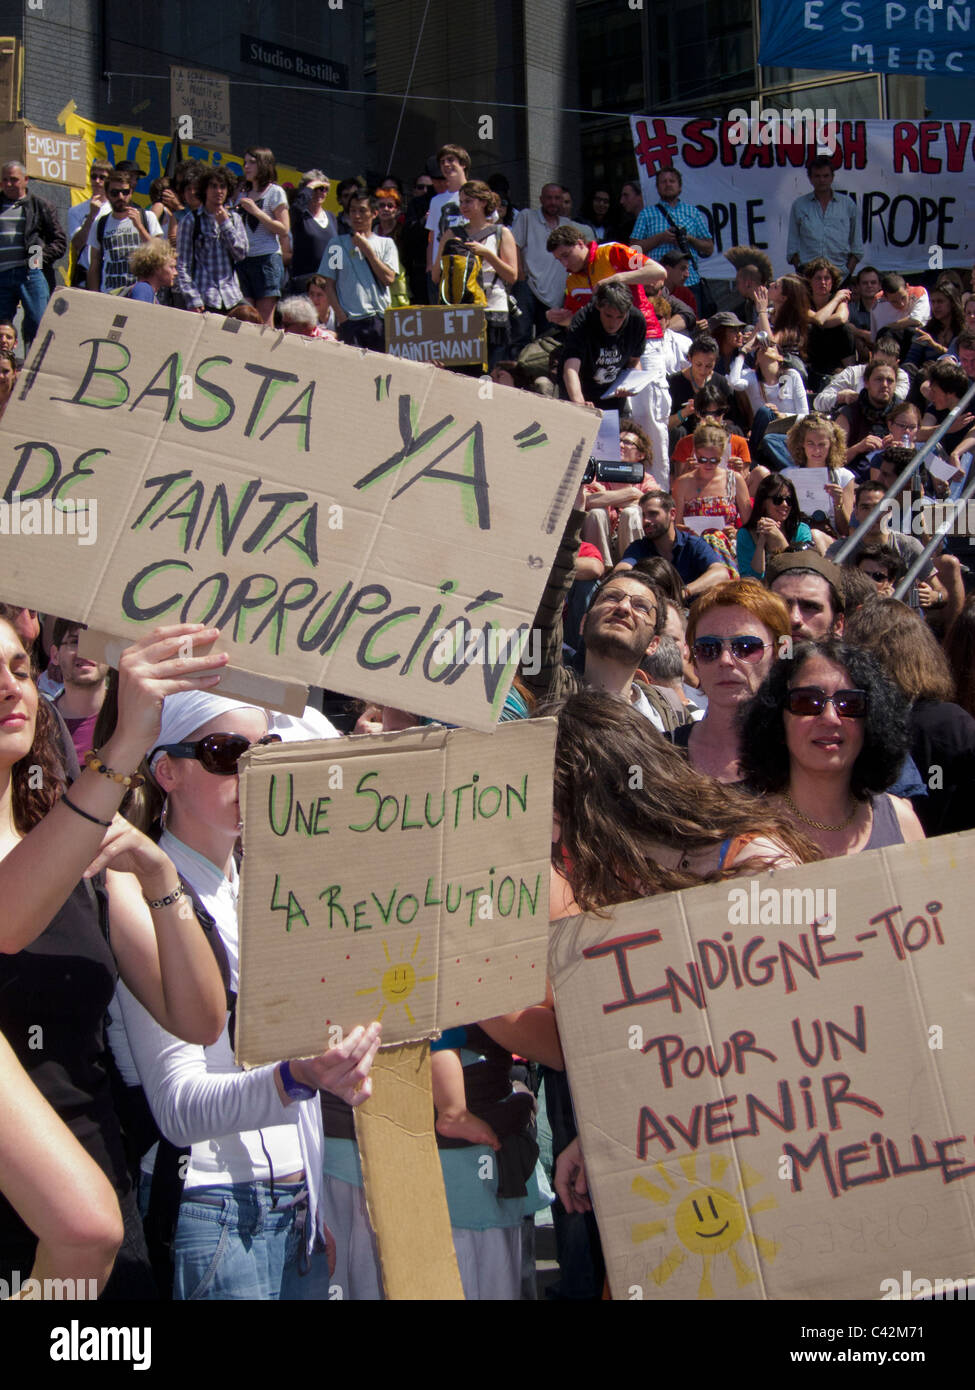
x: 698, y: 565
x: 674, y: 225
x: 822, y: 224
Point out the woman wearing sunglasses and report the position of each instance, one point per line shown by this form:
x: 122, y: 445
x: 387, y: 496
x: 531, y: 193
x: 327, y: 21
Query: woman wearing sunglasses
x: 67, y: 932
x: 713, y: 490
x: 775, y: 523
x: 826, y: 735
x: 733, y: 632
x: 250, y: 1215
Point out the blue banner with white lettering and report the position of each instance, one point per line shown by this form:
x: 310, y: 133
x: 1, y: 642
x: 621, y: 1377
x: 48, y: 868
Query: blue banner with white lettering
x: 911, y: 39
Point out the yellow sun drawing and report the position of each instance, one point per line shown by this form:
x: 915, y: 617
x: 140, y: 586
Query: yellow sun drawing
x: 708, y: 1221
x: 398, y: 981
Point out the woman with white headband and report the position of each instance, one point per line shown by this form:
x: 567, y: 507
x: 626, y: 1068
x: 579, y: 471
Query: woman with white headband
x: 250, y: 1215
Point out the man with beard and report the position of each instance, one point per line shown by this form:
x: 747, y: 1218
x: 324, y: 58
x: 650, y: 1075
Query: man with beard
x: 698, y: 565
x: 84, y: 686
x: 622, y: 624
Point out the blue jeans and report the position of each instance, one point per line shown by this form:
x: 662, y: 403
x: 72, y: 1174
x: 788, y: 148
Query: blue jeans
x: 22, y: 285
x: 232, y: 1244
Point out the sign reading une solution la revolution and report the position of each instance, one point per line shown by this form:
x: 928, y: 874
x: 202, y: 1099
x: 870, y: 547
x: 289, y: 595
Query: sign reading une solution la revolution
x: 913, y: 182
x: 293, y: 62
x: 347, y: 519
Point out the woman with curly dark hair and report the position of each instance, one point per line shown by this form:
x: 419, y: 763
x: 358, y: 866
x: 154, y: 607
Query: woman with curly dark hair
x: 632, y: 818
x: 827, y: 734
x: 68, y: 932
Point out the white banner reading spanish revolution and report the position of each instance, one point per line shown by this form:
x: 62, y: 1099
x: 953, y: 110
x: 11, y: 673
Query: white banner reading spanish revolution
x: 913, y: 181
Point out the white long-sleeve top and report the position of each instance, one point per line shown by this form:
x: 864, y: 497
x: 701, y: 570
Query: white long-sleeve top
x: 788, y: 393
x: 199, y: 1096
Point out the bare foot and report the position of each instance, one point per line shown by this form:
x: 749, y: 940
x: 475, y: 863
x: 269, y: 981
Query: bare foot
x: 461, y: 1124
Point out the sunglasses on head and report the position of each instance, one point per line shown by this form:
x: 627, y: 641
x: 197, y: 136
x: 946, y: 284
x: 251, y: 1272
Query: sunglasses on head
x: 744, y: 648
x: 217, y: 753
x: 811, y: 700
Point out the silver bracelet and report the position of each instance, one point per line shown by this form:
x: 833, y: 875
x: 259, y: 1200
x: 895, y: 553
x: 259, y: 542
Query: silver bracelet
x: 169, y: 899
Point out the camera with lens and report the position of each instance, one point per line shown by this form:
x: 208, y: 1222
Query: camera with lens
x: 613, y: 471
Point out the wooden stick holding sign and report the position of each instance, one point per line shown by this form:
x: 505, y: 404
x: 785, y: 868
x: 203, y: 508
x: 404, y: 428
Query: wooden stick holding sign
x: 403, y: 1179
x: 402, y: 877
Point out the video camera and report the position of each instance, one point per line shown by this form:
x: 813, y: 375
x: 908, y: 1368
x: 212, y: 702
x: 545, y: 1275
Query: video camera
x: 614, y: 471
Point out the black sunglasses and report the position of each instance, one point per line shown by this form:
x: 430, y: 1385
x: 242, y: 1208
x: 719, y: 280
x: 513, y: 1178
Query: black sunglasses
x: 217, y: 753
x: 811, y: 700
x: 745, y: 648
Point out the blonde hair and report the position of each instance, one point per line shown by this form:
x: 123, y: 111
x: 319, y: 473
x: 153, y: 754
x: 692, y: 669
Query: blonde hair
x: 709, y: 433
x: 796, y: 439
x: 151, y: 256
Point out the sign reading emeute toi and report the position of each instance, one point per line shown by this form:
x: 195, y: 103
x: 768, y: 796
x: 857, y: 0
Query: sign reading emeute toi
x: 348, y: 520
x: 399, y: 876
x: 770, y: 1111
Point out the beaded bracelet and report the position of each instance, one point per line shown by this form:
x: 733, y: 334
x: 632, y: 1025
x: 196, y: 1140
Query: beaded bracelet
x: 93, y: 761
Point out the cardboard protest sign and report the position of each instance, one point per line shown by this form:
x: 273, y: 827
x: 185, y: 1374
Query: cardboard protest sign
x: 771, y: 1109
x: 398, y: 876
x: 200, y: 100
x: 453, y: 334
x: 372, y: 526
x: 55, y: 157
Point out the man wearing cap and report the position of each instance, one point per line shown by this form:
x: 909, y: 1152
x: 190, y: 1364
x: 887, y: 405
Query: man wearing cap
x: 811, y: 587
x: 727, y: 330
x: 312, y: 227
x: 672, y: 224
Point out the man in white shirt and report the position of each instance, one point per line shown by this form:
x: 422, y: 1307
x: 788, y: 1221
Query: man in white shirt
x: 444, y: 210
x: 113, y: 238
x: 82, y: 216
x: 541, y: 279
x: 903, y: 306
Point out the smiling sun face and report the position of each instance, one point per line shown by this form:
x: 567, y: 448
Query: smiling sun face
x: 710, y: 1222
x: 398, y: 981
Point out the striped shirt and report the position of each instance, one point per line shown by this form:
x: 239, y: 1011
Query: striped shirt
x: 13, y: 253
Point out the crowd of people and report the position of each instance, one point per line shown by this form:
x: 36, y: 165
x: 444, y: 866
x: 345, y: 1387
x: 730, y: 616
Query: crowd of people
x: 706, y: 620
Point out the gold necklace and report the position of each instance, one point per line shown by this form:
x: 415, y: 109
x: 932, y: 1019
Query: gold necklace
x: 819, y: 824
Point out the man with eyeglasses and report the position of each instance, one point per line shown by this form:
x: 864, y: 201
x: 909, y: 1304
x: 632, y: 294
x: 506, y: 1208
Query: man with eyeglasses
x: 85, y: 685
x: 114, y: 237
x: 699, y: 566
x: 31, y: 240
x: 83, y: 216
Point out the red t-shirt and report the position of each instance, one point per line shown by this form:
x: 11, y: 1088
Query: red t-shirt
x: 601, y: 262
